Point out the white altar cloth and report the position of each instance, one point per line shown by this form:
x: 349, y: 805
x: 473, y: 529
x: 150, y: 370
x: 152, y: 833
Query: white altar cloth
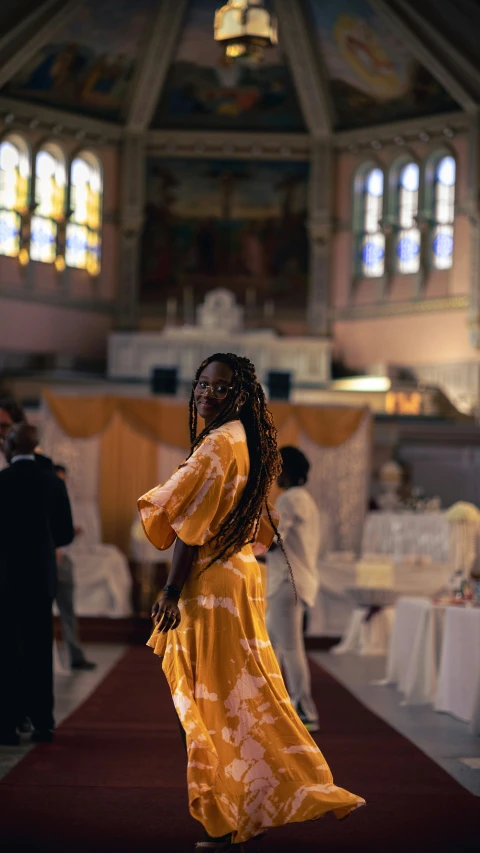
x: 458, y: 691
x: 414, y: 652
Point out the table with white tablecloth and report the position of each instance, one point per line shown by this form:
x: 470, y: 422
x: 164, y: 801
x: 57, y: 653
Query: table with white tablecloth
x: 335, y: 606
x: 414, y: 650
x: 458, y: 689
x: 434, y: 657
x: 419, y: 543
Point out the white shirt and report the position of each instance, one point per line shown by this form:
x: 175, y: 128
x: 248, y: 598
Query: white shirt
x: 299, y: 528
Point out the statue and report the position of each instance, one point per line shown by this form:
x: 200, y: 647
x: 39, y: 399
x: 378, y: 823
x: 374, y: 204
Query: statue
x: 220, y: 312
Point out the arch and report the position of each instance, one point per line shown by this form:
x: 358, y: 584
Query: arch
x: 440, y: 183
x: 50, y: 184
x: 405, y: 183
x: 368, y: 205
x: 83, y: 236
x: 15, y: 177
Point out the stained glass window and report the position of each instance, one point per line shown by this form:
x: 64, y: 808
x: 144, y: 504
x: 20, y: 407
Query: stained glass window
x: 14, y: 188
x: 408, y: 237
x: 372, y: 239
x: 83, y: 248
x: 443, y: 213
x: 50, y: 183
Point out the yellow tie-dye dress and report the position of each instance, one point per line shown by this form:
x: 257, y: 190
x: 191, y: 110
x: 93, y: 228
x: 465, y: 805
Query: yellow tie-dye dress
x: 251, y: 762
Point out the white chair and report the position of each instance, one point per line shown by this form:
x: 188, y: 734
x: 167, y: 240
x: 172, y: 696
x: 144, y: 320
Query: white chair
x: 103, y: 583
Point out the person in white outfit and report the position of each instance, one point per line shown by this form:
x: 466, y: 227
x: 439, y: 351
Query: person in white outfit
x: 299, y: 527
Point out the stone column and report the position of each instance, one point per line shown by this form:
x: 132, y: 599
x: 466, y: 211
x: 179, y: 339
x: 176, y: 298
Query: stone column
x: 473, y: 207
x: 131, y: 223
x: 320, y: 231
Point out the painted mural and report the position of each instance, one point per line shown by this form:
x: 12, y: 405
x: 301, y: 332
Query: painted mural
x: 203, y: 91
x: 90, y: 62
x: 373, y: 78
x: 219, y: 223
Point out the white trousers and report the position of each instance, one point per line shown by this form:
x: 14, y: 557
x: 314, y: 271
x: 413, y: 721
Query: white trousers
x: 285, y: 629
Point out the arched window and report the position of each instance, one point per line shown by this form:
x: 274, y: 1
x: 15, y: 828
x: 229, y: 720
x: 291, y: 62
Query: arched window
x: 14, y: 189
x: 83, y: 247
x: 370, y: 237
x: 443, y: 213
x: 50, y: 185
x: 408, y: 237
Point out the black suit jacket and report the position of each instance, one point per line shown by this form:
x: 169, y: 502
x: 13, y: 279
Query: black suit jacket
x: 35, y: 518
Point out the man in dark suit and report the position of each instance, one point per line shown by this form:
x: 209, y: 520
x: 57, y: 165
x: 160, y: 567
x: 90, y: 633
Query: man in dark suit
x: 35, y: 519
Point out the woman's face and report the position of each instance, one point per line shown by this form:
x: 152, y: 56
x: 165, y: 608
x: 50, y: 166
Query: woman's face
x: 213, y: 390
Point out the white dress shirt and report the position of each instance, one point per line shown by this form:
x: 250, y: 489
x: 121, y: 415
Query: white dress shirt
x: 299, y: 528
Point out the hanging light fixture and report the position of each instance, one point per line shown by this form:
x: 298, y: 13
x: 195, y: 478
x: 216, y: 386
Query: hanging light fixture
x: 245, y: 28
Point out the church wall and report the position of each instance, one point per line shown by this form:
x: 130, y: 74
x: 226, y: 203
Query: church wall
x: 37, y: 328
x: 411, y: 339
x: 82, y: 311
x: 393, y: 314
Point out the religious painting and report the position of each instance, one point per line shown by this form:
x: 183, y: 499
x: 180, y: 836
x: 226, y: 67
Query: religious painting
x: 88, y: 65
x: 203, y: 90
x: 235, y: 224
x: 373, y: 78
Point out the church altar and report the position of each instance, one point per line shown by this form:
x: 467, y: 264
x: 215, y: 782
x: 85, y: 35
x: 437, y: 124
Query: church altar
x: 219, y: 328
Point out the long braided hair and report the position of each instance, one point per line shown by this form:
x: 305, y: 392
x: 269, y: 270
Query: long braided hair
x: 241, y: 525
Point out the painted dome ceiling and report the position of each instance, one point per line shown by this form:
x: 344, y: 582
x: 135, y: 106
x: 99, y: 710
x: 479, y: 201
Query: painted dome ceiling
x: 90, y: 62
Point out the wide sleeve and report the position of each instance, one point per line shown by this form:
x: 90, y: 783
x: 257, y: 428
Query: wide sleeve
x: 194, y: 501
x: 265, y: 531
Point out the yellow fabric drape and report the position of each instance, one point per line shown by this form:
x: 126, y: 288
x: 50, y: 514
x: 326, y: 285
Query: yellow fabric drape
x: 166, y: 421
x: 128, y: 468
x: 131, y: 429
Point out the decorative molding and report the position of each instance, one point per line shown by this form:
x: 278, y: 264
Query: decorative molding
x: 245, y: 146
x: 398, y: 134
x: 457, y: 58
x: 18, y: 47
x: 24, y: 115
x: 395, y: 309
x: 151, y: 73
x: 57, y: 300
x: 22, y: 28
x: 305, y: 67
x: 423, y: 54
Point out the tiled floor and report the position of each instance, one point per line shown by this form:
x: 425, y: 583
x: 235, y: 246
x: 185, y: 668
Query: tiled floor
x: 444, y: 739
x: 71, y: 689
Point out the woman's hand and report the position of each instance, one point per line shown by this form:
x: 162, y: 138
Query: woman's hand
x: 166, y: 615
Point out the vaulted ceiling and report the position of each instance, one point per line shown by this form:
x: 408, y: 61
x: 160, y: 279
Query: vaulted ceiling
x: 154, y: 63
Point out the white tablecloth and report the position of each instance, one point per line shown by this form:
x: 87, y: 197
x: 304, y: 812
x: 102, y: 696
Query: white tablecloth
x: 458, y: 690
x: 414, y: 652
x: 334, y: 607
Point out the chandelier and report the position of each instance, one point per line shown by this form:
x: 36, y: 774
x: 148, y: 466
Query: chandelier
x: 245, y: 28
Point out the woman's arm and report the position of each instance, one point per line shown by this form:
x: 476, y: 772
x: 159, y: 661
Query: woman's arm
x: 166, y: 612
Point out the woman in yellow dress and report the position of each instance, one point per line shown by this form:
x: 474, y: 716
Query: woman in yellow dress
x: 251, y: 763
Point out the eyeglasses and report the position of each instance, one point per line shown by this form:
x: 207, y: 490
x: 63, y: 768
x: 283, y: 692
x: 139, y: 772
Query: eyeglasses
x: 217, y: 390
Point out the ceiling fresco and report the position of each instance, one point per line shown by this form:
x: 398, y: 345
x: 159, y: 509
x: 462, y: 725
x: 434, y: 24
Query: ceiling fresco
x: 203, y: 91
x: 87, y: 66
x: 372, y: 77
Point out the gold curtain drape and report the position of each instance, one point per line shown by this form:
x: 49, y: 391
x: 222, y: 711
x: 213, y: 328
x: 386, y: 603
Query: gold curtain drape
x: 128, y: 469
x: 166, y: 421
x: 131, y: 429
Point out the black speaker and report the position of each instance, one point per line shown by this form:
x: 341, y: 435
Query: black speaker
x: 279, y: 385
x: 163, y: 380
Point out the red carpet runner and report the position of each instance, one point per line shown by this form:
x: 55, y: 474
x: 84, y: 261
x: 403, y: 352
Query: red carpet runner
x: 114, y: 781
